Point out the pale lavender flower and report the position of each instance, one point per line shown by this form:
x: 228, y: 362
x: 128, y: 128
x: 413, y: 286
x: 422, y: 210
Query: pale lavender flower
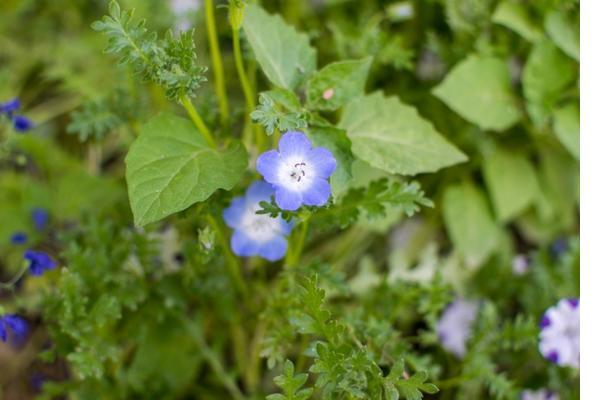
x: 541, y: 394
x: 455, y: 326
x: 520, y: 264
x: 256, y: 234
x: 559, y: 336
x: 298, y: 172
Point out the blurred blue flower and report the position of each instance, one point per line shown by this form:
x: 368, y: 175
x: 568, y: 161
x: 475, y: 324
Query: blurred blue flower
x: 40, y: 218
x: 15, y: 325
x: 39, y: 261
x: 256, y: 234
x: 10, y: 106
x: 298, y: 172
x: 559, y: 336
x: 455, y: 325
x: 18, y: 238
x: 21, y: 123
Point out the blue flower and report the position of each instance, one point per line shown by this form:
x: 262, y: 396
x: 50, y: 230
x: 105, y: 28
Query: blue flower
x: 18, y: 238
x: 40, y: 218
x: 21, y: 123
x: 15, y: 325
x: 559, y: 333
x: 39, y: 261
x: 256, y: 234
x: 10, y: 106
x: 298, y: 172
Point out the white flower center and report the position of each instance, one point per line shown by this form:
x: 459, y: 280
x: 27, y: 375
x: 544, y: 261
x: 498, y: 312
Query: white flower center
x: 296, y: 174
x: 260, y: 227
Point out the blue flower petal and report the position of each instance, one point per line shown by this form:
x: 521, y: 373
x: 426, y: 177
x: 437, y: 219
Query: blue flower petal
x: 243, y: 245
x: 274, y: 249
x: 288, y: 199
x: 234, y: 213
x: 10, y: 106
x: 317, y: 193
x: 286, y: 227
x: 322, y: 162
x: 39, y: 261
x: 294, y: 144
x: 259, y: 191
x: 3, y: 335
x: 17, y: 325
x: 268, y: 165
x: 21, y: 123
x: 18, y: 238
x: 40, y: 218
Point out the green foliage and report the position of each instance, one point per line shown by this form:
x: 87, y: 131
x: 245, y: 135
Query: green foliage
x: 479, y: 90
x: 337, y: 83
x: 392, y: 136
x: 169, y: 62
x: 170, y: 167
x: 279, y: 109
x: 291, y: 384
x: 285, y: 55
x: 470, y: 223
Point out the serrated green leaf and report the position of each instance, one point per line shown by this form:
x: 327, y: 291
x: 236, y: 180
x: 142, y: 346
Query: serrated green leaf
x: 564, y: 33
x: 566, y: 127
x: 469, y: 223
x: 479, y: 90
x: 284, y: 54
x: 511, y: 180
x: 392, y: 136
x: 337, y: 83
x: 170, y: 167
x: 513, y: 15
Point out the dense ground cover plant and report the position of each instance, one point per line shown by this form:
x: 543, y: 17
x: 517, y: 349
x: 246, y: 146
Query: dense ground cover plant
x: 295, y: 200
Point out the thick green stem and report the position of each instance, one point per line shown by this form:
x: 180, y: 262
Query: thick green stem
x: 233, y: 263
x: 215, y: 55
x: 297, y: 241
x: 248, y: 93
x: 189, y: 107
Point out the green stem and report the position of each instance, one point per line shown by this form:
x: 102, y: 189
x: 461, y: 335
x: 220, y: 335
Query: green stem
x: 10, y: 284
x: 293, y: 255
x: 248, y: 92
x: 233, y: 263
x: 189, y: 107
x: 215, y: 363
x: 215, y: 55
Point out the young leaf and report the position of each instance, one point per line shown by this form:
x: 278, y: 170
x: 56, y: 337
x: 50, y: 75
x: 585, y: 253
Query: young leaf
x: 512, y: 182
x: 272, y: 112
x: 479, y: 90
x: 285, y: 55
x: 337, y: 83
x: 469, y: 223
x: 291, y: 384
x: 392, y: 136
x: 170, y: 167
x: 566, y: 127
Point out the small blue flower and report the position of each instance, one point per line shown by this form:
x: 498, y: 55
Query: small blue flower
x: 40, y: 218
x: 39, y: 261
x: 256, y: 234
x: 559, y: 334
x: 21, y: 123
x: 10, y: 106
x: 18, y: 238
x: 298, y: 172
x: 15, y: 325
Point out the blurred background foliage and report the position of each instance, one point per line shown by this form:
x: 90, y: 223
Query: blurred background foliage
x: 151, y: 313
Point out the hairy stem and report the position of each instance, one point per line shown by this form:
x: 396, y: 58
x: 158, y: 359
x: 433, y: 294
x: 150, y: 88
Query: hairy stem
x: 197, y: 119
x: 215, y: 55
x: 293, y: 255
